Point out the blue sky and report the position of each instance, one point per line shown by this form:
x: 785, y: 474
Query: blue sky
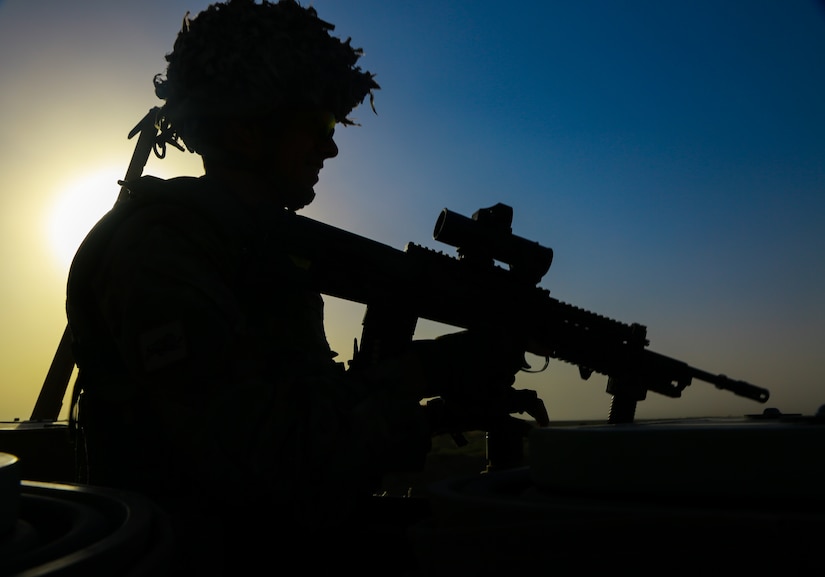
x: 671, y: 154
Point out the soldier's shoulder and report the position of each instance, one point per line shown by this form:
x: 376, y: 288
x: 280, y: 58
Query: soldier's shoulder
x: 184, y: 210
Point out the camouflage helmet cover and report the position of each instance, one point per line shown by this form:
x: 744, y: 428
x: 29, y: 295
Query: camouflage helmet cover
x: 241, y: 58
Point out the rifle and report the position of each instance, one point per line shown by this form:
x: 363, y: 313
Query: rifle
x: 473, y: 291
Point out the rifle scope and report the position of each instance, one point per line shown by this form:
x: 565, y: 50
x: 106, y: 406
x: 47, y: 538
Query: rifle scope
x: 487, y: 236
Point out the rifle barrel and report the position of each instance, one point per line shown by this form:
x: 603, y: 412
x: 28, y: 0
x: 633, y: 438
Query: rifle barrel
x: 740, y: 388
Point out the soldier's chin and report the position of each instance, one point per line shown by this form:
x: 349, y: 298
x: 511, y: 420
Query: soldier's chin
x: 299, y: 197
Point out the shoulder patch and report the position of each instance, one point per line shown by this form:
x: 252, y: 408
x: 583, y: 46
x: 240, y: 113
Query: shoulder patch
x: 162, y: 346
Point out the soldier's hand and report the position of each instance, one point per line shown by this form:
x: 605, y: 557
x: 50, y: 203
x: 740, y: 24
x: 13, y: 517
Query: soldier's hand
x: 477, y: 367
x: 460, y: 415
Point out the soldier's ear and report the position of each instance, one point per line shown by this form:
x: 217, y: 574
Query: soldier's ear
x: 245, y: 137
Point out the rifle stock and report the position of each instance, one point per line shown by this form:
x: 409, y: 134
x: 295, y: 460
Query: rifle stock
x: 472, y: 291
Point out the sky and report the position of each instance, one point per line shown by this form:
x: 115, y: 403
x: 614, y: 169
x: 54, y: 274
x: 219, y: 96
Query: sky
x: 672, y: 154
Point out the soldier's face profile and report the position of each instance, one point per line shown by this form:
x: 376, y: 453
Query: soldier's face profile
x: 298, y: 151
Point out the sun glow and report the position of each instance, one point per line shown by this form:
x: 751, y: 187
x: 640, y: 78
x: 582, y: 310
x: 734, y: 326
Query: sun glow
x: 77, y: 208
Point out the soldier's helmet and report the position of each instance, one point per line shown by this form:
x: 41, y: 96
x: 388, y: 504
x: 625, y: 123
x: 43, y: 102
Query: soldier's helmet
x: 242, y: 58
